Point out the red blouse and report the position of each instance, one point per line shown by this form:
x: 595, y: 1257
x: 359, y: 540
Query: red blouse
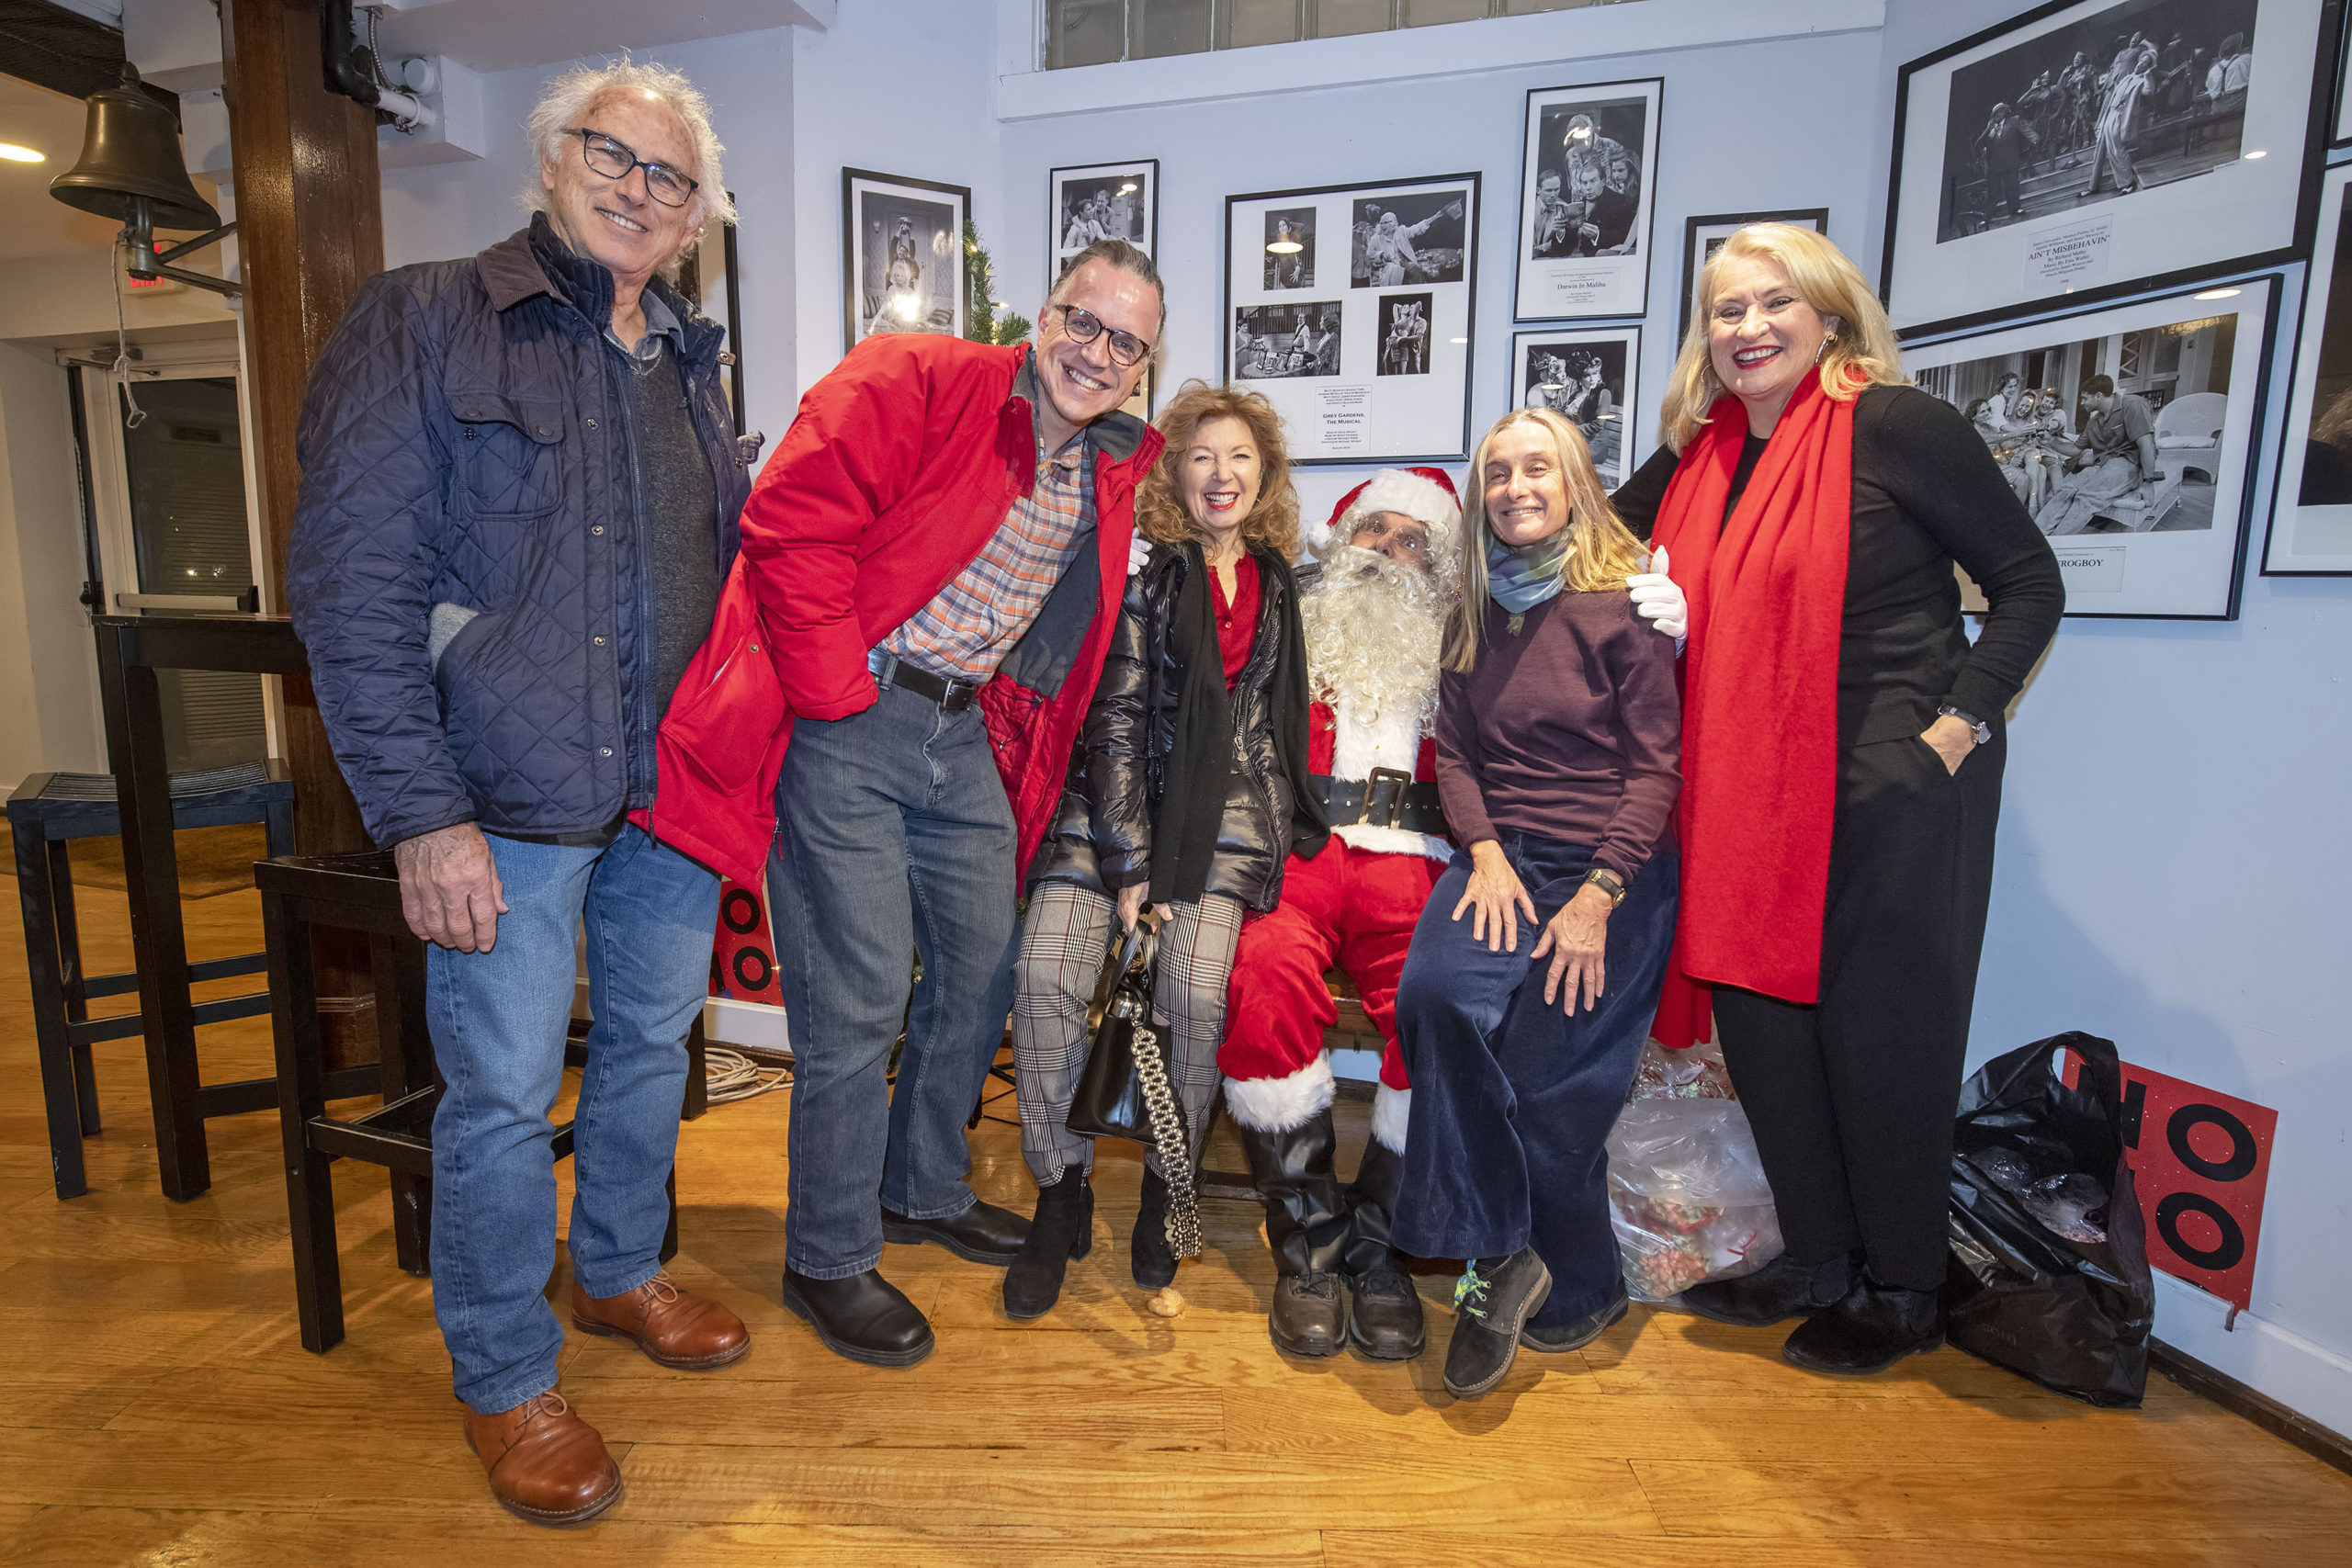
x: 1237, y: 620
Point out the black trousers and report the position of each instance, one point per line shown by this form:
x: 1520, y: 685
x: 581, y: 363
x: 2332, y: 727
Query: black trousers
x: 1852, y: 1098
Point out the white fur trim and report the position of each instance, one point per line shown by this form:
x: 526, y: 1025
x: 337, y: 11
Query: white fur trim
x: 1397, y: 489
x: 1374, y: 841
x: 1360, y: 744
x: 1315, y: 536
x: 1277, y: 1105
x: 1391, y: 1110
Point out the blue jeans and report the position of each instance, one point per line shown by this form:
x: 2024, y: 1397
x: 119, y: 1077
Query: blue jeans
x: 895, y: 839
x: 1512, y: 1099
x: 499, y: 1020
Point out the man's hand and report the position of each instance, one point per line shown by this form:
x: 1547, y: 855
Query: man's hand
x: 449, y: 891
x: 1658, y: 600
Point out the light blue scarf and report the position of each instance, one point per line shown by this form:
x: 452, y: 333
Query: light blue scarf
x: 1520, y: 578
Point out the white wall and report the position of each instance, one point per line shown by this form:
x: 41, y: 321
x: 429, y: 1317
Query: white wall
x: 49, y: 676
x: 898, y: 87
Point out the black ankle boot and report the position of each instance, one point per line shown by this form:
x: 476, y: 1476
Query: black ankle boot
x: 1872, y: 1328
x: 1153, y: 1259
x: 1384, y: 1310
x: 1294, y: 1175
x: 1492, y: 1302
x: 1062, y: 1231
x: 1781, y: 1289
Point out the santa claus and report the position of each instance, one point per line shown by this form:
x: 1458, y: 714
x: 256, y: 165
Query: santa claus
x: 1372, y: 617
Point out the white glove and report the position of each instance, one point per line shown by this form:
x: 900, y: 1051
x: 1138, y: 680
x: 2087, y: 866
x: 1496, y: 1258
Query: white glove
x: 1658, y: 600
x: 1139, y: 553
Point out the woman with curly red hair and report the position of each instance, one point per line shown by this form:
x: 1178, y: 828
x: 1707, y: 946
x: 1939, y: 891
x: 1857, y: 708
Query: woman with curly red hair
x: 1187, y: 793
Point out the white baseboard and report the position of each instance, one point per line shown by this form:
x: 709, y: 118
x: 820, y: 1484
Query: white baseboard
x: 2309, y: 1379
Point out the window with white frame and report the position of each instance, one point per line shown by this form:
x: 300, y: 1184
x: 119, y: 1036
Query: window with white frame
x: 1097, y: 32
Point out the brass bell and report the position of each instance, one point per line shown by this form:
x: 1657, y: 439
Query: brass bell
x: 131, y: 149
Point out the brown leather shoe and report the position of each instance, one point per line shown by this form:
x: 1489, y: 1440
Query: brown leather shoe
x: 691, y: 1333
x: 546, y: 1465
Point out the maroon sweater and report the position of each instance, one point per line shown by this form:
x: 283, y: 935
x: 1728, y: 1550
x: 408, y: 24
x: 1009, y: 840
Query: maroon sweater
x: 1570, y: 730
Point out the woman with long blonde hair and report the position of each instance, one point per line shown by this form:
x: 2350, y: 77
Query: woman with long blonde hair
x: 1841, y: 763
x: 1188, y: 794
x: 1557, y: 732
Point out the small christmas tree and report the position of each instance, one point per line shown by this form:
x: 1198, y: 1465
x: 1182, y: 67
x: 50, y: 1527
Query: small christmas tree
x: 983, y: 323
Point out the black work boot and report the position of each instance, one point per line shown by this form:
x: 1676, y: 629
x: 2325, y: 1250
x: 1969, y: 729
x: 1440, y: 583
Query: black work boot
x: 1153, y: 1259
x: 1294, y: 1175
x: 1492, y: 1302
x: 1062, y: 1231
x: 1869, y: 1330
x: 1781, y: 1289
x: 1384, y: 1310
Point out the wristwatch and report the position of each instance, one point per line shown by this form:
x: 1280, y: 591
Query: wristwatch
x: 1608, y: 882
x: 1983, y: 730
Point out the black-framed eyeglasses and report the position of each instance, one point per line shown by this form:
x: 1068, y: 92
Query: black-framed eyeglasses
x: 1084, y: 326
x: 614, y: 160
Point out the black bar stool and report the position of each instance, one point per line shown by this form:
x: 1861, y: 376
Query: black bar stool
x: 361, y: 893
x: 45, y: 814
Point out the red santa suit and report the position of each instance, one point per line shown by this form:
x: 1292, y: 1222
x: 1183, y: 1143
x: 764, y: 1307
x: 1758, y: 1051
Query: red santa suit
x: 1352, y: 906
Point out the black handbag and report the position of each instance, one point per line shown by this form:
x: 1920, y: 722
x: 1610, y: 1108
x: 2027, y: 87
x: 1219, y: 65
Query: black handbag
x: 1125, y: 1090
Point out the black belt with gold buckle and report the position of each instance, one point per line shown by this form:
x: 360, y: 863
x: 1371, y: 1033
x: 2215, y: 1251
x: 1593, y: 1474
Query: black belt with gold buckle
x: 891, y: 671
x: 1389, y: 798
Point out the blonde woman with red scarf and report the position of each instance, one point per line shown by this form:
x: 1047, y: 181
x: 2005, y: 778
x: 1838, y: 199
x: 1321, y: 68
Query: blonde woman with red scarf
x: 1842, y: 747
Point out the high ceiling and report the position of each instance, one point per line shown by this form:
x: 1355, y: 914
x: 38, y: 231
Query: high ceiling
x: 500, y: 35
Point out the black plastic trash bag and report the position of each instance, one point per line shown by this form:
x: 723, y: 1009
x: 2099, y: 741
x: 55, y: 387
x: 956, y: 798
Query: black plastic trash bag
x: 2049, y: 1272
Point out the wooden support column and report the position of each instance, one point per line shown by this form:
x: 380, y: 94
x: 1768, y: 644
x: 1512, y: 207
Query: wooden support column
x: 309, y: 231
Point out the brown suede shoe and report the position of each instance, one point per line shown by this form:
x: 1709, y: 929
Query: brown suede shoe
x: 691, y: 1333
x: 546, y: 1465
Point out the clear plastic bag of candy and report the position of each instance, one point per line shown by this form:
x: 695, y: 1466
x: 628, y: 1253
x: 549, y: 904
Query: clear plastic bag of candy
x: 1687, y: 1194
x: 1696, y: 1073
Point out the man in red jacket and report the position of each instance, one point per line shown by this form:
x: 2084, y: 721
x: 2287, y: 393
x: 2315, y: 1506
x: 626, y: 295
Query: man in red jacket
x: 937, y: 550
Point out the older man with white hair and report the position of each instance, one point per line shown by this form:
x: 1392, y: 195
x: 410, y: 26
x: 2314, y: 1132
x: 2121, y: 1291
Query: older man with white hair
x: 519, y: 500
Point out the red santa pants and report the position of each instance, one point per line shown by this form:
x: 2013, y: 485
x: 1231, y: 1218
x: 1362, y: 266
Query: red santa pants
x: 1344, y: 908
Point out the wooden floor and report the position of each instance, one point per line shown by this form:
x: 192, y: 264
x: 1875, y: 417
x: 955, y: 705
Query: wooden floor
x: 157, y: 1408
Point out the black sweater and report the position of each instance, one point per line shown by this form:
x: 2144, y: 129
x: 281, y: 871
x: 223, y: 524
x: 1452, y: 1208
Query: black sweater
x: 1927, y: 493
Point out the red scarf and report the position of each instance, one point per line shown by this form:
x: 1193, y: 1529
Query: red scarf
x: 1760, y: 703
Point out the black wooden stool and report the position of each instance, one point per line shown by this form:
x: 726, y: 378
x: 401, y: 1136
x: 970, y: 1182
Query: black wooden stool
x: 45, y: 814
x: 360, y: 892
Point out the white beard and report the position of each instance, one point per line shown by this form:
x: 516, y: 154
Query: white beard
x: 1373, y: 629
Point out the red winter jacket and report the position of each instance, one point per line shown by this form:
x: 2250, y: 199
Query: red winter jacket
x: 900, y: 465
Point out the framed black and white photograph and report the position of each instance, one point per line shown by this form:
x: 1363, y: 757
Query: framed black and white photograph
x: 1350, y: 307
x: 1702, y: 237
x: 2102, y: 148
x: 2127, y: 432
x: 1289, y: 247
x: 1588, y: 169
x: 2341, y: 133
x: 1101, y: 201
x: 1277, y: 342
x: 1589, y: 376
x: 902, y: 255
x: 2311, y: 518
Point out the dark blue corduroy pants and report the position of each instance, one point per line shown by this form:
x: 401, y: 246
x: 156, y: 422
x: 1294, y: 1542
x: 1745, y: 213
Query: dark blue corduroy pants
x: 1513, y: 1100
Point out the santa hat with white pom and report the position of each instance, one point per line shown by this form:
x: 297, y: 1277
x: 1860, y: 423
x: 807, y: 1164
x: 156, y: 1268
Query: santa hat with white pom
x: 1425, y: 495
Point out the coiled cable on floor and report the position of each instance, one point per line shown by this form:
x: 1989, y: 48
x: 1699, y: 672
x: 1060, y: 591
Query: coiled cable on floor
x: 733, y: 1073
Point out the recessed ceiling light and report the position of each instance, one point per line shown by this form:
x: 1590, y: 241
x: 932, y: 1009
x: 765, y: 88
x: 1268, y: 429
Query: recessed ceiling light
x: 15, y: 155
x: 1285, y: 248
x: 1457, y: 340
x: 2218, y: 294
x: 2257, y: 153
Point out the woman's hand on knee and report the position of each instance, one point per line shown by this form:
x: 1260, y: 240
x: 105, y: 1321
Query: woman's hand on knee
x: 1496, y: 898
x: 1131, y: 899
x: 1577, y: 939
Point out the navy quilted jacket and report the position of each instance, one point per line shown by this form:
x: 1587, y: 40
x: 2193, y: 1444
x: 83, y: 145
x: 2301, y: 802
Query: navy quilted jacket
x: 464, y: 442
